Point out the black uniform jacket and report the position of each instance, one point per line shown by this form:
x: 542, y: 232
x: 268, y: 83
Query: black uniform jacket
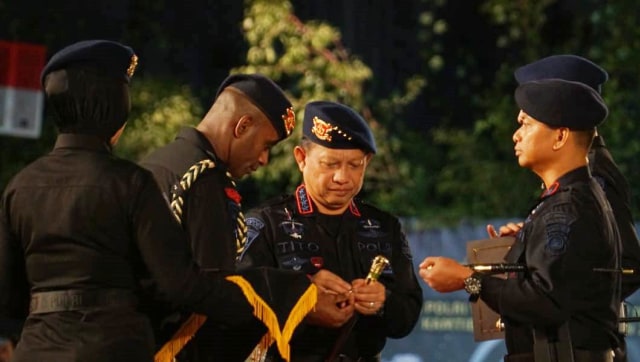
x: 569, y: 233
x: 209, y: 215
x: 209, y: 220
x: 289, y: 233
x: 80, y: 218
x: 616, y: 188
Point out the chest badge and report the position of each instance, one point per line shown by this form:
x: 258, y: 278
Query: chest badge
x: 291, y: 227
x: 317, y: 261
x: 370, y: 228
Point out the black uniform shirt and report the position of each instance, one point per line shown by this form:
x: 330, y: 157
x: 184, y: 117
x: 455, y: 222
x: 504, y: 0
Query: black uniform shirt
x: 81, y: 218
x: 569, y: 233
x: 209, y: 214
x: 616, y: 188
x: 290, y: 234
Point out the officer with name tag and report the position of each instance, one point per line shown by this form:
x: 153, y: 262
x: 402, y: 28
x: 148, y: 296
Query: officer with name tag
x: 324, y: 231
x: 564, y: 307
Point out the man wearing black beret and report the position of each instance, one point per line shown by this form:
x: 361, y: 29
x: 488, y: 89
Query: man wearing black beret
x: 601, y: 164
x: 565, y: 306
x: 324, y: 231
x: 197, y: 173
x: 80, y: 228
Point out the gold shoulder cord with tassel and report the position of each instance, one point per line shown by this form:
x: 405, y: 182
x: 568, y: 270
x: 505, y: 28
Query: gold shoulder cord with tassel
x: 261, y: 309
x: 189, y: 328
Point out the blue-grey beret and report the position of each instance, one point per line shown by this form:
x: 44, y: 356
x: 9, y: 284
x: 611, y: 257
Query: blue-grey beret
x: 110, y: 57
x: 334, y: 125
x: 562, y: 103
x: 265, y: 94
x: 565, y: 66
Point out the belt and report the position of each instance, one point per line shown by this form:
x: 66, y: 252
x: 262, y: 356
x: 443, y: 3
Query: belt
x: 74, y: 299
x: 579, y: 355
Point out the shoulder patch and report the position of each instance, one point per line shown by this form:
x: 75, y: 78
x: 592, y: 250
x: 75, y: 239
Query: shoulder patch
x: 557, y: 226
x: 254, y: 223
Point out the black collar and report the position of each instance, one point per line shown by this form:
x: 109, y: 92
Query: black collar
x: 196, y: 138
x: 580, y: 174
x: 83, y: 141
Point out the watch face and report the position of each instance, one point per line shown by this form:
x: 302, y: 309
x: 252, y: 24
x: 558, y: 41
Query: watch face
x: 472, y: 285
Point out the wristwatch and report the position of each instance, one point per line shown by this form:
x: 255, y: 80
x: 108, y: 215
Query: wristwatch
x: 473, y: 286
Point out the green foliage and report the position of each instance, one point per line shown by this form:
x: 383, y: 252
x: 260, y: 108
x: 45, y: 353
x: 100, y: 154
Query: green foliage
x: 309, y: 61
x: 159, y: 109
x: 480, y: 177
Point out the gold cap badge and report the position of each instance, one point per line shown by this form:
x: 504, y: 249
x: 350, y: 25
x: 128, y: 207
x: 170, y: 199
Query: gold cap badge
x: 289, y: 120
x: 133, y: 63
x: 322, y: 129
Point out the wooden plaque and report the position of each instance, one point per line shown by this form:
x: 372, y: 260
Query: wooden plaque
x: 485, y: 320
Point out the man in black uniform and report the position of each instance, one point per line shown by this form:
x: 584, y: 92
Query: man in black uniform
x: 250, y: 115
x: 324, y: 231
x: 601, y: 164
x: 563, y: 306
x: 80, y: 227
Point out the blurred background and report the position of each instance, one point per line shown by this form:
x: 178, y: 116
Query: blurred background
x: 433, y: 77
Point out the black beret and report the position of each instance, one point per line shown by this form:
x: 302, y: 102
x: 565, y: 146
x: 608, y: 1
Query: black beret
x: 562, y: 103
x: 334, y: 125
x: 564, y: 66
x: 111, y: 57
x: 266, y: 95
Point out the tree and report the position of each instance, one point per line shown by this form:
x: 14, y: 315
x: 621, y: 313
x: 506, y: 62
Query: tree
x: 159, y: 109
x: 310, y: 62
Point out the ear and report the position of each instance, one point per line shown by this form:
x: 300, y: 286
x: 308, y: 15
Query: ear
x: 242, y: 126
x: 116, y: 136
x: 301, y: 157
x: 561, y: 138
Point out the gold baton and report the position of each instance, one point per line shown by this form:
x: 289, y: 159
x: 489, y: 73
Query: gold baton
x: 378, y: 264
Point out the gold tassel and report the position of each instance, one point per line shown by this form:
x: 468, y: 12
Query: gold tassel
x: 305, y: 304
x: 179, y: 339
x: 264, y: 313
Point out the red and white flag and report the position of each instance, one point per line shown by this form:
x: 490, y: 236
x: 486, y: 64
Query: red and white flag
x: 21, y: 96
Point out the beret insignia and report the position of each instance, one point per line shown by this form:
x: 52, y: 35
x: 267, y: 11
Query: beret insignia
x: 289, y: 120
x: 133, y: 63
x: 322, y: 129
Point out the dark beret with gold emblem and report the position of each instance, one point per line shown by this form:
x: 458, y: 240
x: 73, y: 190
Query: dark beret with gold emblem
x: 112, y: 58
x: 265, y: 94
x: 564, y: 66
x: 562, y: 103
x: 334, y: 125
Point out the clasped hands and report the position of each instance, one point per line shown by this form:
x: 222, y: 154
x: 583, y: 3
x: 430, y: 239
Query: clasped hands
x: 338, y: 300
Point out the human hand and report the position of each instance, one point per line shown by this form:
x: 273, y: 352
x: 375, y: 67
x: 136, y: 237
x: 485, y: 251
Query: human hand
x: 443, y: 274
x: 331, y: 310
x: 369, y: 298
x: 509, y: 229
x: 329, y: 282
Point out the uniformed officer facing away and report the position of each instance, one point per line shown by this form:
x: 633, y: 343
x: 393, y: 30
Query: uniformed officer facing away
x: 564, y: 307
x: 324, y: 231
x: 80, y: 227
